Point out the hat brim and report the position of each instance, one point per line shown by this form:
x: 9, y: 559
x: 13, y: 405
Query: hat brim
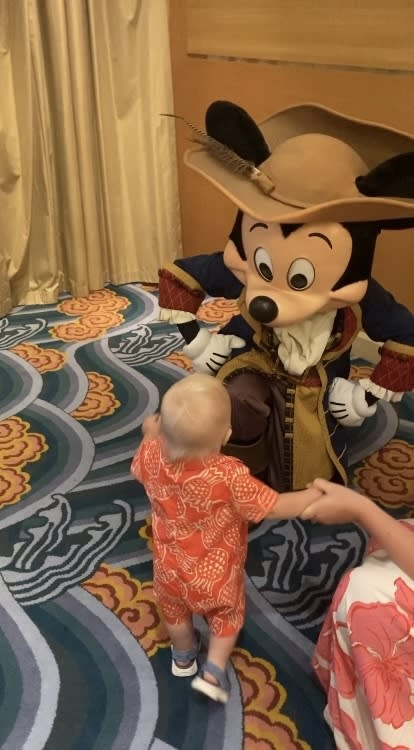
x: 374, y: 143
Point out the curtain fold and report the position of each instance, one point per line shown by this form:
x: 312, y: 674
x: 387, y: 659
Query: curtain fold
x: 88, y: 181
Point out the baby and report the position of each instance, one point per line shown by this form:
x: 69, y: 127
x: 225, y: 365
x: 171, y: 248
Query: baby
x: 202, y: 502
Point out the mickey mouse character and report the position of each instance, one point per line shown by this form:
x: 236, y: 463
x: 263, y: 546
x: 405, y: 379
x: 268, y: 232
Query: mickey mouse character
x: 314, y: 189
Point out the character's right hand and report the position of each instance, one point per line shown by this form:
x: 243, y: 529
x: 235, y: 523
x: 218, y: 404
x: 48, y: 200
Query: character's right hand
x: 209, y: 351
x: 348, y: 403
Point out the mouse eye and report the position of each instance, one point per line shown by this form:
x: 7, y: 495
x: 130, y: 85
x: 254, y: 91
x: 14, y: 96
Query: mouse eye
x: 263, y: 264
x: 301, y: 274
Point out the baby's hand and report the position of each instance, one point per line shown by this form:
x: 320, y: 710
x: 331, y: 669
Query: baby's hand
x: 151, y: 427
x: 312, y: 493
x: 336, y: 504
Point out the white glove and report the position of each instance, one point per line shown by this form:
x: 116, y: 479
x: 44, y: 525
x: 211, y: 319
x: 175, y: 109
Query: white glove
x: 347, y: 403
x: 209, y: 351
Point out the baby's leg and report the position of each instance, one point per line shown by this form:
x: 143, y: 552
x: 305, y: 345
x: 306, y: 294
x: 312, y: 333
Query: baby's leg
x: 183, y: 641
x: 224, y: 625
x: 219, y: 651
x: 179, y: 623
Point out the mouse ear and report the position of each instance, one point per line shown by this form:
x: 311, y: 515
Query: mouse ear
x: 233, y: 126
x: 394, y: 178
x: 393, y: 224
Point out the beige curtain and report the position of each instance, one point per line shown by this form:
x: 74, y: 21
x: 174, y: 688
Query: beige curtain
x: 88, y: 185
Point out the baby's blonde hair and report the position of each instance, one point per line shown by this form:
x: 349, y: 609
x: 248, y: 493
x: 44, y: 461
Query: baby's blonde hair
x: 195, y: 417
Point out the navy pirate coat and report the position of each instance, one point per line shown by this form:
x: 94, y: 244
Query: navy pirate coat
x: 185, y: 283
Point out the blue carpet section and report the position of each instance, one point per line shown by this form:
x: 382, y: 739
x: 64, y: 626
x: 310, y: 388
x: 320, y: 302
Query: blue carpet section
x: 84, y: 658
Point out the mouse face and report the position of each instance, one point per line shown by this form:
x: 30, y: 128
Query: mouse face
x: 290, y: 272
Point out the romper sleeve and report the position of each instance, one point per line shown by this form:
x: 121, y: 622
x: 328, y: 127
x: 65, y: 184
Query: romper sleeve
x: 252, y: 498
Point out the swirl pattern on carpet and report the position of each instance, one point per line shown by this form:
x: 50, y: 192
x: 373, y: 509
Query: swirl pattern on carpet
x: 84, y: 657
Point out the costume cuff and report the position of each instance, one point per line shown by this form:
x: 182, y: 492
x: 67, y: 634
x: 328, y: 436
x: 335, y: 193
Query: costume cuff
x: 395, y: 370
x: 175, y: 316
x: 384, y: 393
x: 176, y: 294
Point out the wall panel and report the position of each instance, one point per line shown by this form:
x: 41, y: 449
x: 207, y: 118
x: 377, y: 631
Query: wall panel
x: 263, y: 88
x: 363, y: 33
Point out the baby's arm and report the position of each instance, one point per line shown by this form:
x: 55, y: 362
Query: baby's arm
x: 255, y: 500
x: 151, y: 427
x: 293, y: 504
x: 150, y: 430
x: 339, y: 504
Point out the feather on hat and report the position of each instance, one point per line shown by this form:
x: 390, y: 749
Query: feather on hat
x: 319, y: 165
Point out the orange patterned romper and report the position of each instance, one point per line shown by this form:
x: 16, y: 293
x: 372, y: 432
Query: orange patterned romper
x: 200, y: 513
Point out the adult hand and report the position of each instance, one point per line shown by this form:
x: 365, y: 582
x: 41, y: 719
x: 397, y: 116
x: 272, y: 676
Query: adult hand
x: 337, y: 504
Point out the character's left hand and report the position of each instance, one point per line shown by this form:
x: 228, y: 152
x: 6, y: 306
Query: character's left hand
x: 348, y: 404
x: 209, y: 351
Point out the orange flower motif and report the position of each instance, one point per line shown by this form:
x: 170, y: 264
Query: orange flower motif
x: 145, y: 532
x: 78, y: 331
x: 265, y: 727
x: 12, y: 429
x: 179, y: 359
x: 18, y: 446
x: 133, y: 602
x: 103, y: 319
x: 388, y: 475
x: 102, y: 300
x: 44, y: 360
x: 100, y: 400
x: 218, y: 310
x: 90, y: 326
x: 13, y: 485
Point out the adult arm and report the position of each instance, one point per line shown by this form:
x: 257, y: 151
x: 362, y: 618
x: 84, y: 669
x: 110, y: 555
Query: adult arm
x: 339, y: 504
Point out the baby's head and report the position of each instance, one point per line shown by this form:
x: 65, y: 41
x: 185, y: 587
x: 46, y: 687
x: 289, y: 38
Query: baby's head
x: 195, y: 417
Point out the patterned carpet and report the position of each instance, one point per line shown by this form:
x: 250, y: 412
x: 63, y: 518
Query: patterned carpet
x: 84, y: 659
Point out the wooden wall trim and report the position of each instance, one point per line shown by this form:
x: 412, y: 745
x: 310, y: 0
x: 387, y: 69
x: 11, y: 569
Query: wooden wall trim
x: 370, y: 34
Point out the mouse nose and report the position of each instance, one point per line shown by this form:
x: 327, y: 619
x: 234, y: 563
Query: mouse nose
x: 263, y: 309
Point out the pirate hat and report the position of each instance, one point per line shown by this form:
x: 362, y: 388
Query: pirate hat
x: 318, y: 165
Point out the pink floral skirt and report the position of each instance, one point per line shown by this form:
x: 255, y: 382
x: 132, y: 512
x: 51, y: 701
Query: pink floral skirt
x: 364, y: 657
